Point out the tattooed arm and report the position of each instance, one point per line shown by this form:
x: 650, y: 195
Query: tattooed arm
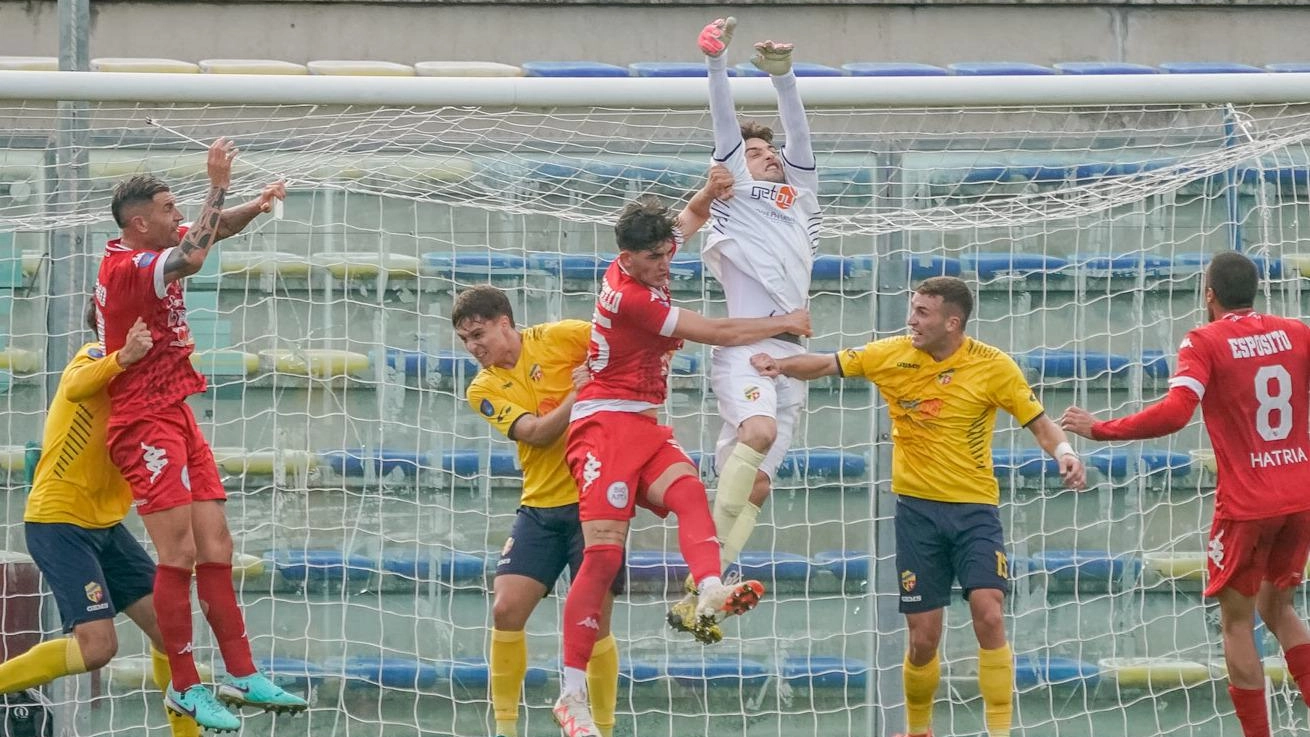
x: 190, y: 254
x: 233, y: 220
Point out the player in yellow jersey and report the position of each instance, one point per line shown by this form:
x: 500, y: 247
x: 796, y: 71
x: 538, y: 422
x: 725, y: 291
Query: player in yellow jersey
x: 94, y: 567
x: 942, y: 390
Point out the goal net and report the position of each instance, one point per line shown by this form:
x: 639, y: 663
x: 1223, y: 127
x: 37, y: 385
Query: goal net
x: 369, y: 503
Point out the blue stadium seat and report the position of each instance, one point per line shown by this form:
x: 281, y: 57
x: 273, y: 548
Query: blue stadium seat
x: 1085, y: 565
x: 1100, y: 169
x: 685, y: 364
x: 1270, y: 268
x: 353, y: 461
x: 675, y: 174
x: 471, y: 266
x: 1104, y: 67
x: 1176, y: 465
x: 772, y: 566
x: 388, y: 672
x: 831, y: 267
x: 820, y: 464
x: 571, y: 265
x: 1126, y: 266
x: 1023, y: 265
x: 429, y: 366
x: 1111, y: 462
x: 291, y: 673
x: 823, y: 671
x: 799, y: 68
x: 996, y: 68
x: 923, y: 266
x: 572, y: 69
x: 892, y: 69
x: 1295, y: 177
x: 672, y: 69
x: 469, y: 673
x: 1032, y: 671
x: 631, y: 673
x: 1154, y: 364
x: 1294, y: 67
x: 656, y: 565
x: 717, y: 671
x: 1050, y: 363
x: 1027, y: 462
x: 504, y: 463
x: 1208, y: 67
x: 686, y: 268
x: 320, y: 566
x: 450, y: 565
x: 464, y: 463
x: 847, y: 565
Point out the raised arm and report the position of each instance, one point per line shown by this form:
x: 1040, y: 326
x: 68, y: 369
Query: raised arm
x: 1053, y: 441
x: 738, y: 331
x: 189, y: 255
x: 86, y: 377
x: 718, y: 186
x: 543, y: 430
x: 806, y: 366
x: 713, y: 41
x: 233, y: 220
x: 1165, y: 417
x: 775, y: 58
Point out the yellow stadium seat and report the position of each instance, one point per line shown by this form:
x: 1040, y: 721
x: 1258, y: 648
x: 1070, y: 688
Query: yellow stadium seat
x: 251, y: 66
x: 225, y: 362
x: 366, y: 265
x: 132, y: 672
x: 245, y: 564
x: 29, y: 63
x: 466, y: 69
x: 153, y: 66
x: 1205, y: 457
x: 19, y: 361
x: 264, y: 462
x: 1155, y: 672
x: 1176, y: 566
x: 317, y: 363
x: 12, y: 457
x: 264, y: 263
x: 349, y: 68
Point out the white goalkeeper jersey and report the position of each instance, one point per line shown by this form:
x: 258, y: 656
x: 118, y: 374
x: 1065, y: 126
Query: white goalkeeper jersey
x: 762, y: 242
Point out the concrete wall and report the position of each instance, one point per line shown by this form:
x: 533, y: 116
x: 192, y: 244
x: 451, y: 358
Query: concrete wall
x: 626, y: 31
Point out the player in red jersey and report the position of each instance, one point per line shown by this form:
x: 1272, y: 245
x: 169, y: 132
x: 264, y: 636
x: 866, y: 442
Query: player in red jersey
x: 1250, y: 373
x: 621, y: 456
x: 153, y: 436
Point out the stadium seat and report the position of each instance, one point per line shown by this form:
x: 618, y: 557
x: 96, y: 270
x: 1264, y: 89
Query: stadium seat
x: 464, y: 463
x: 19, y: 360
x: 822, y: 464
x: 1208, y: 67
x: 571, y: 266
x: 923, y: 266
x: 466, y: 69
x: 1104, y: 67
x: 150, y: 66
x: 799, y: 68
x: 315, y: 363
x: 1030, y: 463
x: 892, y: 69
x: 572, y: 69
x: 251, y: 66
x: 473, y: 266
x: 504, y: 463
x: 1176, y: 566
x: 676, y: 176
x: 997, y: 68
x: 1033, y: 671
x: 848, y: 566
x: 218, y: 365
x: 1270, y: 267
x: 824, y: 671
x: 655, y: 565
x: 386, y: 672
x: 292, y: 673
x: 829, y: 267
x: 1048, y: 363
x: 432, y: 367
x: 317, y: 566
x: 450, y: 566
x: 1155, y: 365
x: 359, y: 68
x: 637, y: 673
x: 263, y: 263
x: 672, y: 69
x: 717, y: 670
x: 1085, y: 566
x: 366, y: 264
x: 134, y: 672
x: 1153, y: 673
x: 990, y: 266
x: 1204, y: 458
x: 770, y: 567
x: 1111, y: 462
x: 29, y: 63
x: 1175, y: 465
x: 242, y: 462
x: 1293, y: 67
x: 1102, y: 169
x: 353, y: 462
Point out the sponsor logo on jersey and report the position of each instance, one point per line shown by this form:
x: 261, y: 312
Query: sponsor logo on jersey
x: 143, y: 259
x: 487, y: 408
x: 903, y: 364
x: 535, y: 372
x: 94, y: 592
x: 908, y: 581
x: 925, y: 407
x: 617, y: 495
x: 751, y: 393
x: 783, y: 196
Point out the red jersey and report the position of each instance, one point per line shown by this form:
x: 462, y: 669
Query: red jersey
x: 631, y: 344
x: 131, y: 285
x: 1252, y: 374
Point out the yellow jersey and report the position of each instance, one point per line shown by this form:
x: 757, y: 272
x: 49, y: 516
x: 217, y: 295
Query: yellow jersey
x: 540, y: 380
x: 943, y: 414
x: 75, y: 482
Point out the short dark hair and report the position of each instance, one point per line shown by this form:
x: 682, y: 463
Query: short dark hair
x: 90, y: 316
x: 750, y: 129
x: 1234, y: 279
x: 134, y: 190
x: 644, y: 224
x: 953, y: 291
x: 483, y: 302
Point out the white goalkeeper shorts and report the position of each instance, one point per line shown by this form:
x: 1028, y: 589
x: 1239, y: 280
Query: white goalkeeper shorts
x: 742, y: 393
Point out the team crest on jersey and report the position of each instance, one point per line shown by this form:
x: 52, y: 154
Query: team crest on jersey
x: 535, y: 372
x: 908, y: 581
x: 94, y: 593
x: 944, y: 377
x: 143, y: 259
x: 487, y: 408
x: 752, y: 393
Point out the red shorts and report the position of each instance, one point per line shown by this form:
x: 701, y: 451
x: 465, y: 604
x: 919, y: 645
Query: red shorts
x: 615, y: 457
x: 1244, y: 553
x: 166, y: 459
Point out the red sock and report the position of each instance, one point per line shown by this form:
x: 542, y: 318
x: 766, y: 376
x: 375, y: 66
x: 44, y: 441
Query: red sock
x: 214, y: 587
x: 600, y: 564
x: 1298, y: 664
x: 173, y: 612
x: 1251, y: 710
x: 685, y: 497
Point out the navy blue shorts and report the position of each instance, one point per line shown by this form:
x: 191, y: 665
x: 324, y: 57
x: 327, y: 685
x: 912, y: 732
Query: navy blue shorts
x: 93, y: 574
x: 543, y: 542
x: 939, y: 542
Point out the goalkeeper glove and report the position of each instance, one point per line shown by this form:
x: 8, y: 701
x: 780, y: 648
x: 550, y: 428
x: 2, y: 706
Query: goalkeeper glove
x: 715, y: 37
x: 774, y: 58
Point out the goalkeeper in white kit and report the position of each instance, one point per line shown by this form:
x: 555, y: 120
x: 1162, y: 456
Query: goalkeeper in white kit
x: 761, y: 248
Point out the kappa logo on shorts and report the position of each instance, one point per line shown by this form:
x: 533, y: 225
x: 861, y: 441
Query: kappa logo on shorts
x: 751, y: 393
x: 154, y: 459
x: 1216, y: 551
x: 590, y: 471
x: 617, y: 495
x: 908, y: 581
x: 94, y: 592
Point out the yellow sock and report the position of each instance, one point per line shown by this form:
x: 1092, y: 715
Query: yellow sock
x: 996, y: 682
x: 736, y: 479
x: 603, y: 683
x: 920, y: 689
x: 44, y: 663
x: 162, y: 675
x: 738, y: 534
x: 509, y: 665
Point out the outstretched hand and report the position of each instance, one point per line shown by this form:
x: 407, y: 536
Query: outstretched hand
x: 219, y: 163
x: 271, y: 192
x: 715, y: 37
x: 1078, y: 421
x: 774, y: 58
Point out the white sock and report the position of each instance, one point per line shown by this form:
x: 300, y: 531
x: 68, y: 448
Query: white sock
x: 575, y: 680
x: 708, y: 583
